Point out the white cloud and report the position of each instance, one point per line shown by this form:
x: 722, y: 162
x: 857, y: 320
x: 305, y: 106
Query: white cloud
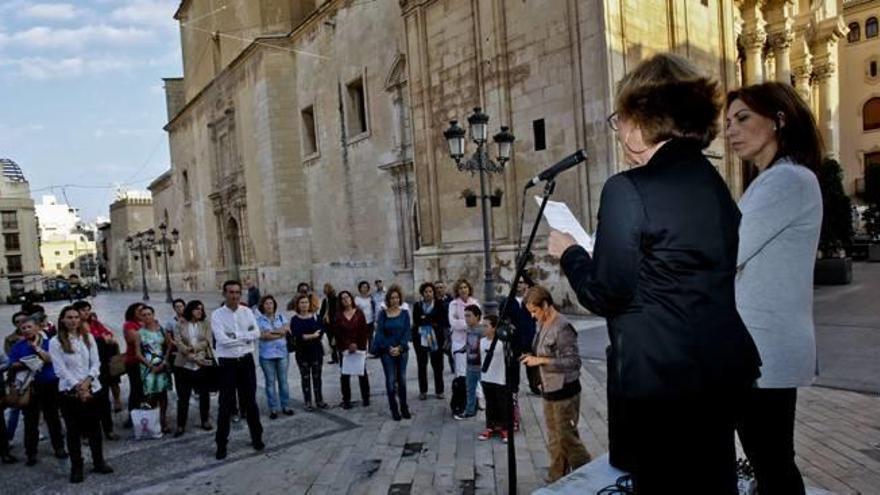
x: 76, y: 38
x: 44, y: 69
x: 147, y: 12
x: 50, y: 11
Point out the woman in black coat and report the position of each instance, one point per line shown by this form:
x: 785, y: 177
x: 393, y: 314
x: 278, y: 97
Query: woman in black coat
x: 428, y: 337
x: 662, y: 273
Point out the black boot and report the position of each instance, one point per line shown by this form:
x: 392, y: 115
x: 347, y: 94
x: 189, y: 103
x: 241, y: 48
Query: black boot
x: 76, y: 472
x: 404, y: 412
x: 395, y: 414
x: 102, y: 468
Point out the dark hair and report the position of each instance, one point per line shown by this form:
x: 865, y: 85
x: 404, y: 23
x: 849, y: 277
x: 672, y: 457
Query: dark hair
x: 538, y: 295
x: 81, y: 305
x: 149, y: 308
x: 17, y: 314
x: 131, y: 313
x: 797, y: 136
x: 339, y: 298
x: 192, y: 306
x: 391, y: 290
x: 64, y: 332
x: 303, y: 284
x: 32, y: 308
x: 378, y: 281
x: 465, y: 282
x: 652, y: 97
x: 425, y: 286
x: 263, y: 300
x: 230, y: 283
x: 363, y: 283
x: 475, y: 310
x: 492, y: 319
x: 299, y: 298
x: 178, y: 300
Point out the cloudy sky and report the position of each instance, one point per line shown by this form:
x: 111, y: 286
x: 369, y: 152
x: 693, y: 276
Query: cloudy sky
x: 81, y: 99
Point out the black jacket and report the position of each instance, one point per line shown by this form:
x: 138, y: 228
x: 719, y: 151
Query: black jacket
x: 438, y: 318
x: 663, y: 273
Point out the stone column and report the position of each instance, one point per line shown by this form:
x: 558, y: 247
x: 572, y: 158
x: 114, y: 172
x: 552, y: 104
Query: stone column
x: 753, y: 38
x: 826, y: 79
x: 780, y: 44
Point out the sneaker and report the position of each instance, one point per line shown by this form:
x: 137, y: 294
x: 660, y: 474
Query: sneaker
x: 485, y: 434
x: 463, y: 416
x: 503, y: 436
x: 273, y: 415
x: 309, y: 407
x: 440, y: 396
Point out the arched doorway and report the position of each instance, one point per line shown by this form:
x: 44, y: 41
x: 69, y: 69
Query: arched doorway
x: 233, y: 248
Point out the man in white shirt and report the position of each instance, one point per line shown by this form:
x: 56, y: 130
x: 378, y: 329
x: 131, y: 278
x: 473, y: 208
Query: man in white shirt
x: 235, y: 331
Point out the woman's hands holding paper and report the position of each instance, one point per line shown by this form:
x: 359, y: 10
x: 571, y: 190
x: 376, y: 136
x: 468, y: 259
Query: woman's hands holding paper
x: 558, y: 242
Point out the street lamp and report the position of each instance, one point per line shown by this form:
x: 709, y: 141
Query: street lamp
x: 165, y: 243
x: 480, y: 162
x: 140, y: 242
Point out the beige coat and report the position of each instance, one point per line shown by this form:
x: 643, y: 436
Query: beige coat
x: 200, y: 351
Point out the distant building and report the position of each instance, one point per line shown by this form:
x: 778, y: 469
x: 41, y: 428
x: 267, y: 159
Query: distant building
x: 130, y: 213
x: 68, y: 245
x: 20, y: 249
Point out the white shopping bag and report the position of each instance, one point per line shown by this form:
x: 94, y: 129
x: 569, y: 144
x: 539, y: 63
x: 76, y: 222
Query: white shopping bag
x: 146, y: 424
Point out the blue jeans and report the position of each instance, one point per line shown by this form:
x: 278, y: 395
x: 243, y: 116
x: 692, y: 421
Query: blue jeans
x: 473, y: 379
x: 276, y: 369
x: 395, y: 375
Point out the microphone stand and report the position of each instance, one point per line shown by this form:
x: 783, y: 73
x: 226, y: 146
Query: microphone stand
x: 507, y: 332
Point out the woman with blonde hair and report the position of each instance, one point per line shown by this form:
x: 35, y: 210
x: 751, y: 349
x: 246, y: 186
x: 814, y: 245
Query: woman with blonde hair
x: 662, y: 273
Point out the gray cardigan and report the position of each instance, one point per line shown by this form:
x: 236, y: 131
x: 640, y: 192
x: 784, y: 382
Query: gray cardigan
x: 778, y: 238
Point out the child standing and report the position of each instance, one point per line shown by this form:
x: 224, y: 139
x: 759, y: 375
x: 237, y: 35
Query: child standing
x: 472, y: 316
x: 493, y: 381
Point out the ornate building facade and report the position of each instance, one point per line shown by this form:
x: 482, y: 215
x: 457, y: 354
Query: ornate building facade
x: 307, y: 136
x: 860, y: 103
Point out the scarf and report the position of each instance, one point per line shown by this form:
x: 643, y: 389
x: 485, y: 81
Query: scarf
x: 426, y: 332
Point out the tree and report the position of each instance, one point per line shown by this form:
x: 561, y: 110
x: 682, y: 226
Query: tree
x: 837, y: 229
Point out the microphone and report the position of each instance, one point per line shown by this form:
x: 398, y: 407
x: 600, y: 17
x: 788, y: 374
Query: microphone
x: 561, y: 166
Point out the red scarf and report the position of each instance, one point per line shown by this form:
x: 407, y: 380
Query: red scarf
x: 98, y: 330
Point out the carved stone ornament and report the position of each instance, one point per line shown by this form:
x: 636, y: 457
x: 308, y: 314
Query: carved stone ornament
x: 754, y: 39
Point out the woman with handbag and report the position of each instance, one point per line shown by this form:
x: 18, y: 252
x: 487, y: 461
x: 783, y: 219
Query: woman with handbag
x: 75, y: 359
x: 193, y: 364
x: 155, y: 365
x: 274, y: 360
x: 43, y: 390
x: 107, y: 348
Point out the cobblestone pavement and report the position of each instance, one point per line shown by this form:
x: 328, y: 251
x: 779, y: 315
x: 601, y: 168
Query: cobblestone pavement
x: 362, y: 451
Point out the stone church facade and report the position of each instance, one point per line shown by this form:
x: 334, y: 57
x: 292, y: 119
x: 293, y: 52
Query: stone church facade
x: 306, y: 136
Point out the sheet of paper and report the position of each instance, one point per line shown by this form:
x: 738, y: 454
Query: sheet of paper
x: 560, y: 218
x: 354, y: 363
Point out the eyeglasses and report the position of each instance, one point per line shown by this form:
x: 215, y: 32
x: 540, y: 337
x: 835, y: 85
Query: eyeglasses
x: 612, y: 121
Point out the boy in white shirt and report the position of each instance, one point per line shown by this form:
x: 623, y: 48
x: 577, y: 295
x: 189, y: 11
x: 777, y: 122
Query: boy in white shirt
x: 494, y: 384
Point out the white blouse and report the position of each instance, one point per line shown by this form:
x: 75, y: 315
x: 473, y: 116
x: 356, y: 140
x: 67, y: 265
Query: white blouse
x: 72, y: 368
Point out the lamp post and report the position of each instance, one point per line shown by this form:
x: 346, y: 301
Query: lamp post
x: 480, y: 162
x: 141, y: 242
x: 166, y: 249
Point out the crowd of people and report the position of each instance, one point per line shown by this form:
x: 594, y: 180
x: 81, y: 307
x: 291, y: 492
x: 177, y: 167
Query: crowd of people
x: 708, y: 303
x: 199, y: 351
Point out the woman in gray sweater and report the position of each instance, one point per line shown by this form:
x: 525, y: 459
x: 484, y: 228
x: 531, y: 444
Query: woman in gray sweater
x: 770, y: 126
